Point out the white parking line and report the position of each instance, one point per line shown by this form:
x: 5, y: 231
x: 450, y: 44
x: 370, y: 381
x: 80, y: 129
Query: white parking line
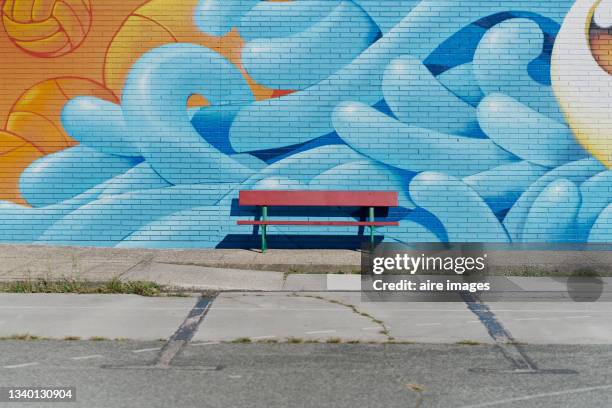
x: 207, y: 343
x: 371, y: 328
x: 147, y: 349
x: 578, y: 317
x: 429, y: 324
x: 321, y: 332
x: 536, y: 396
x: 528, y: 319
x: 21, y: 365
x: 86, y: 357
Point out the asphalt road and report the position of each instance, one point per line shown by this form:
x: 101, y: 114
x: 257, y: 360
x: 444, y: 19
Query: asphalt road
x: 123, y: 374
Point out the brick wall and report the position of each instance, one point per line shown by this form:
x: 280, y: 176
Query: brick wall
x: 135, y: 124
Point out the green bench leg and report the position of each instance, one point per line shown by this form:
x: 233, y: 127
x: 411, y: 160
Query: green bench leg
x: 372, y: 227
x: 264, y: 217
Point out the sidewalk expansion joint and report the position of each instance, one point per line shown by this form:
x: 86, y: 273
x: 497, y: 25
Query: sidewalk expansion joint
x: 512, y: 350
x: 184, y: 334
x: 147, y: 260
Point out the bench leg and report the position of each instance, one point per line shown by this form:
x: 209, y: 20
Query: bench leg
x: 371, y: 227
x: 264, y: 217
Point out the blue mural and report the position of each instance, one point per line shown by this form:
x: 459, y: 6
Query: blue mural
x: 452, y: 103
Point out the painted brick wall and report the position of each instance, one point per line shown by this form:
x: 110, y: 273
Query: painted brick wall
x: 135, y: 123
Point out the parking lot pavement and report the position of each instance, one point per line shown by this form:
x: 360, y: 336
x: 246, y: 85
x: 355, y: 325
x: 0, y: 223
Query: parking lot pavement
x: 123, y: 373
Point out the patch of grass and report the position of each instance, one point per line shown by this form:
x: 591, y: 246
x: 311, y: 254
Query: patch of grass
x: 42, y: 286
x: 26, y: 337
x: 242, y: 340
x: 29, y: 337
x: 141, y: 288
x: 98, y: 338
x: 114, y: 286
x: 468, y: 343
x: 72, y: 338
x: 536, y: 271
x: 178, y: 294
x: 418, y: 389
x: 332, y: 340
x: 586, y: 273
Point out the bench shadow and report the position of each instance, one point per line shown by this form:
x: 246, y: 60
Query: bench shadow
x: 301, y: 241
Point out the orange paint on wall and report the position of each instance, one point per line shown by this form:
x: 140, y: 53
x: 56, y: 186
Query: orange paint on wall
x: 36, y: 82
x: 16, y: 154
x: 19, y: 70
x: 36, y: 116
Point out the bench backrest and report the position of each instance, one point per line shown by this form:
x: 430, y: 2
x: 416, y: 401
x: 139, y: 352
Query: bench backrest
x: 309, y: 198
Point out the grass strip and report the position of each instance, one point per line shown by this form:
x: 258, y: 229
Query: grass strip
x: 114, y: 286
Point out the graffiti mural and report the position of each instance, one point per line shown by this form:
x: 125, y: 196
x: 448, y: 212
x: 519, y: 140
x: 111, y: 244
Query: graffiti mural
x: 135, y: 123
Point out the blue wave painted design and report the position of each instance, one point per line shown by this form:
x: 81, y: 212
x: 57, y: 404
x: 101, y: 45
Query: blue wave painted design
x: 527, y: 133
x: 417, y: 98
x: 552, y: 215
x: 413, y: 148
x: 306, y: 49
x: 464, y: 214
x: 307, y: 114
x: 502, y: 60
x: 69, y: 173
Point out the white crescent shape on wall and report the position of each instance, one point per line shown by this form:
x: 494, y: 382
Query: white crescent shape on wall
x: 582, y: 86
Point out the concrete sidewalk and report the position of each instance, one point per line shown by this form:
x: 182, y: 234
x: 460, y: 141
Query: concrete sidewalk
x: 224, y: 269
x: 19, y: 262
x: 86, y: 316
x: 302, y: 317
x: 345, y: 316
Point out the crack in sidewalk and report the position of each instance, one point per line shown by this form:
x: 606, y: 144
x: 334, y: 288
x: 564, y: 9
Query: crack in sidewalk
x: 384, y: 330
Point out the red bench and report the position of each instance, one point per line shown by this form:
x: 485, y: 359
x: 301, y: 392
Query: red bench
x: 299, y: 198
